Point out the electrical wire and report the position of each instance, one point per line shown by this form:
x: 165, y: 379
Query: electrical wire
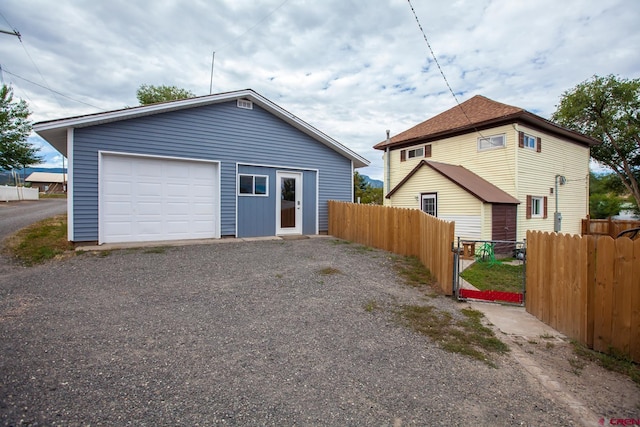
x: 424, y: 35
x: 38, y: 69
x: 31, y: 58
x: 15, y: 31
x: 54, y: 91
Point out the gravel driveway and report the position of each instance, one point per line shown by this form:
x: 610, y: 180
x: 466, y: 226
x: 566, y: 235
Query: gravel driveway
x: 15, y: 215
x: 240, y: 333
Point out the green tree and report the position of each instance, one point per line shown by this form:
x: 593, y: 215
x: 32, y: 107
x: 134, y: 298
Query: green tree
x: 365, y: 191
x: 603, y: 206
x: 608, y: 109
x: 150, y: 94
x: 15, y: 127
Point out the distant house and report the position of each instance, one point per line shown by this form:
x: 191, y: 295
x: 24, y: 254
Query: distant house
x: 626, y: 213
x: 229, y: 164
x: 494, y: 169
x: 48, y: 182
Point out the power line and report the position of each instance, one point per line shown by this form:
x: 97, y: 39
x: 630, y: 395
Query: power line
x: 424, y: 35
x: 54, y: 91
x: 38, y: 69
x: 13, y: 32
x: 30, y: 57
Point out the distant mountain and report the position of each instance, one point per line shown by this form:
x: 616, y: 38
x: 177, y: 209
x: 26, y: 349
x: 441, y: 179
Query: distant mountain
x: 6, y: 177
x: 375, y: 183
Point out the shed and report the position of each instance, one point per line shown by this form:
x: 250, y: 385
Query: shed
x: 454, y: 193
x: 48, y: 182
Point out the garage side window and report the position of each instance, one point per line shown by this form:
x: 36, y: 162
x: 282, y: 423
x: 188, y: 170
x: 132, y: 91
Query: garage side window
x: 253, y: 185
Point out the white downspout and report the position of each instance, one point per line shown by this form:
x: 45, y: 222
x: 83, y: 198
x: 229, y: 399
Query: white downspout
x: 387, y: 156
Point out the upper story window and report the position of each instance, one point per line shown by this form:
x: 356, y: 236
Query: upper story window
x: 528, y: 141
x: 417, y: 152
x: 424, y: 151
x: 252, y: 185
x: 491, y: 142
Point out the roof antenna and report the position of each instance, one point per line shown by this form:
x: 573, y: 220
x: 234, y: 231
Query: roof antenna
x: 211, y: 81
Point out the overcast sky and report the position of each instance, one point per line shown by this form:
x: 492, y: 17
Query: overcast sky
x: 351, y: 68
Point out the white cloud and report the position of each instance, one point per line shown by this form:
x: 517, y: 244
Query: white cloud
x: 350, y: 68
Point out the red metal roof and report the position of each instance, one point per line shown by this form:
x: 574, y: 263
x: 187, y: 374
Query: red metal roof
x: 469, y: 181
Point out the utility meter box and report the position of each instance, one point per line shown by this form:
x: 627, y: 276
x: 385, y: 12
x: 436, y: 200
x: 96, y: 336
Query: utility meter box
x: 557, y: 222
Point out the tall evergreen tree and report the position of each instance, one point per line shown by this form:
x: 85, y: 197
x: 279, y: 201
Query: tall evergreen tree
x: 15, y: 127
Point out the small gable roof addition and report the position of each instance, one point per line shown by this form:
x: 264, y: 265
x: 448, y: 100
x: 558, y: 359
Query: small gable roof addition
x: 464, y: 178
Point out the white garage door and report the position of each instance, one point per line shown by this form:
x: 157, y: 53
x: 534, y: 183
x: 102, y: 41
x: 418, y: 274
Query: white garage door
x: 150, y: 199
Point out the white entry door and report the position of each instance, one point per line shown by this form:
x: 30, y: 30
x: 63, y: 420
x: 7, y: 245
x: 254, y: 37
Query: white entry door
x: 288, y: 203
x: 151, y: 199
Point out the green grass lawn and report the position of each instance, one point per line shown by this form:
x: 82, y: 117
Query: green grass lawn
x: 494, y: 276
x: 41, y: 241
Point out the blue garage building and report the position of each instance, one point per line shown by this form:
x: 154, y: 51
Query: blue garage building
x: 229, y: 164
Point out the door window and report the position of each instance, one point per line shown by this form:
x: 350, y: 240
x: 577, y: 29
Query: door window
x: 287, y: 202
x: 430, y: 204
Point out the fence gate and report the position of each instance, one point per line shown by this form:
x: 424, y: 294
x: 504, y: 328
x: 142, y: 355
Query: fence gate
x: 490, y: 270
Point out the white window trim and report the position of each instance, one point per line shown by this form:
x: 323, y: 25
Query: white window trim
x: 417, y: 153
x: 254, y: 176
x: 535, y: 141
x: 541, y: 205
x: 245, y: 104
x: 433, y: 196
x: 504, y: 142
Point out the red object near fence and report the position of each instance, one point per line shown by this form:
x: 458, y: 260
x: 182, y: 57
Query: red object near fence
x: 510, y: 297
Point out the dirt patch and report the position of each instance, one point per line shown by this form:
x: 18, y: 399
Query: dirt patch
x: 607, y: 394
x: 14, y: 307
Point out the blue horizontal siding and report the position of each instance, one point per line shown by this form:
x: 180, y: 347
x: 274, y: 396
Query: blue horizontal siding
x: 257, y: 214
x: 220, y: 132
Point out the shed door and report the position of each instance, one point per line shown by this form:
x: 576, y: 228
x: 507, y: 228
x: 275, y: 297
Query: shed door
x: 503, y: 222
x: 151, y: 199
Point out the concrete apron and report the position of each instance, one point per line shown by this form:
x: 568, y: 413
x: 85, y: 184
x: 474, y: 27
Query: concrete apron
x: 170, y: 243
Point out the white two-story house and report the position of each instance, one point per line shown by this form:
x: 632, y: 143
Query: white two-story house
x: 495, y: 169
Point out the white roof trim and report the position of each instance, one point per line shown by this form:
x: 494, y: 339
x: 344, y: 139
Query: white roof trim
x: 54, y: 131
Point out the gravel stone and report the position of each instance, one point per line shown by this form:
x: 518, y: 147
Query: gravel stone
x: 240, y: 333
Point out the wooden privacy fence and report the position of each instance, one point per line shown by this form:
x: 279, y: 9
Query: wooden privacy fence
x: 607, y: 227
x: 402, y: 231
x: 588, y: 288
